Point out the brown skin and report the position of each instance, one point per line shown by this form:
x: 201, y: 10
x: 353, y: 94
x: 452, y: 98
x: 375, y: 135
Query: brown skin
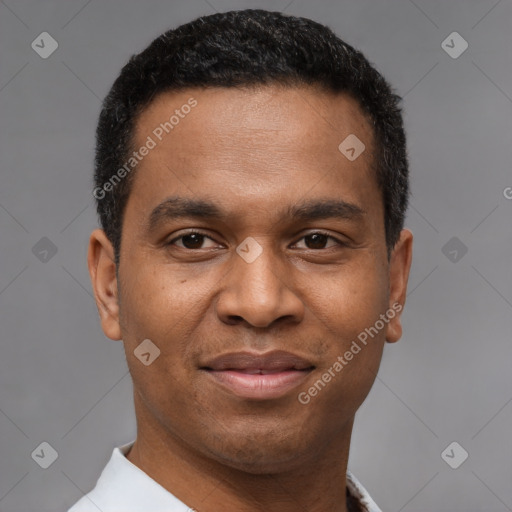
x: 254, y: 153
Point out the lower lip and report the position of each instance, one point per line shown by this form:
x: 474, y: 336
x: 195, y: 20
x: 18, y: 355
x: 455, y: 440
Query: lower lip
x: 259, y: 387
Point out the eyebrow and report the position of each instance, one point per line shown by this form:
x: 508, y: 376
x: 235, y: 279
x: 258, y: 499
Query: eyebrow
x: 176, y: 207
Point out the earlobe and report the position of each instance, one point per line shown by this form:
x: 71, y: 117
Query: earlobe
x: 102, y: 270
x: 399, y: 267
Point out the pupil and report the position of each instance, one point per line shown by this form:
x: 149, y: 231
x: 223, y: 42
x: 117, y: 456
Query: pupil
x: 195, y: 244
x: 318, y: 240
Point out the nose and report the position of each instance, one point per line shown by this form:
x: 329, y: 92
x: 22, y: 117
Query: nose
x: 259, y: 293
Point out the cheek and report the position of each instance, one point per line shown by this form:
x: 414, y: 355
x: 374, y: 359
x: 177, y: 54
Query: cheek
x: 349, y: 309
x: 159, y: 302
x: 154, y: 307
x: 353, y: 299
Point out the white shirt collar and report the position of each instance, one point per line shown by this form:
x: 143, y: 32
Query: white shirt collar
x: 123, y: 487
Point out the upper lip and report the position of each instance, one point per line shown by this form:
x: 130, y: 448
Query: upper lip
x: 277, y: 360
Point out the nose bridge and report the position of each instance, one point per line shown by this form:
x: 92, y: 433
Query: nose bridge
x: 257, y: 267
x: 255, y: 287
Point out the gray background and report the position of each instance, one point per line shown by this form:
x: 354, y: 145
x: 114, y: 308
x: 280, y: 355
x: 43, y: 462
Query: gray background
x: 62, y: 381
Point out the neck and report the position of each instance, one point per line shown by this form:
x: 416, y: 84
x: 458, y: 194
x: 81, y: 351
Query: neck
x: 315, y: 484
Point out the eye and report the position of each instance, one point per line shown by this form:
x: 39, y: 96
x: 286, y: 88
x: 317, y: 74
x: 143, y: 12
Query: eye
x: 191, y: 240
x: 318, y: 239
x: 194, y: 240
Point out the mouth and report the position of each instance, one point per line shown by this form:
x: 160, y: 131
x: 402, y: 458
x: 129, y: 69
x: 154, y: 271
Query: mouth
x: 258, y: 376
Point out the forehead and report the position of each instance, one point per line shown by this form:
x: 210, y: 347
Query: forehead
x: 265, y: 145
x: 305, y: 118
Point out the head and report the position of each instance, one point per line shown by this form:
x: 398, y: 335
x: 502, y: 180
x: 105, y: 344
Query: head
x: 251, y: 184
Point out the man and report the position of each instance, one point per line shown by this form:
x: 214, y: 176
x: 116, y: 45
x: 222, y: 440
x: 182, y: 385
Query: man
x: 251, y: 182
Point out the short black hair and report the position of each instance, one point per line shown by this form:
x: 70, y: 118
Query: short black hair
x: 246, y: 48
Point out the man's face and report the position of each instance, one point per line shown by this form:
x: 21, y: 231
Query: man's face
x: 257, y: 279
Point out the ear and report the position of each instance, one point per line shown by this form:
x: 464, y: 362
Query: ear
x: 102, y: 269
x: 399, y: 266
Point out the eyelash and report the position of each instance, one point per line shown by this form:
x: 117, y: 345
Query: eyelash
x: 339, y: 242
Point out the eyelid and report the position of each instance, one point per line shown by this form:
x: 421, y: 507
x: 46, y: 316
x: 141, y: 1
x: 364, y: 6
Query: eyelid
x: 191, y: 232
x: 340, y: 242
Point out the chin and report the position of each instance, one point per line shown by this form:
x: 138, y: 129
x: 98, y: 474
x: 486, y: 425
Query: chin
x: 263, y: 452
